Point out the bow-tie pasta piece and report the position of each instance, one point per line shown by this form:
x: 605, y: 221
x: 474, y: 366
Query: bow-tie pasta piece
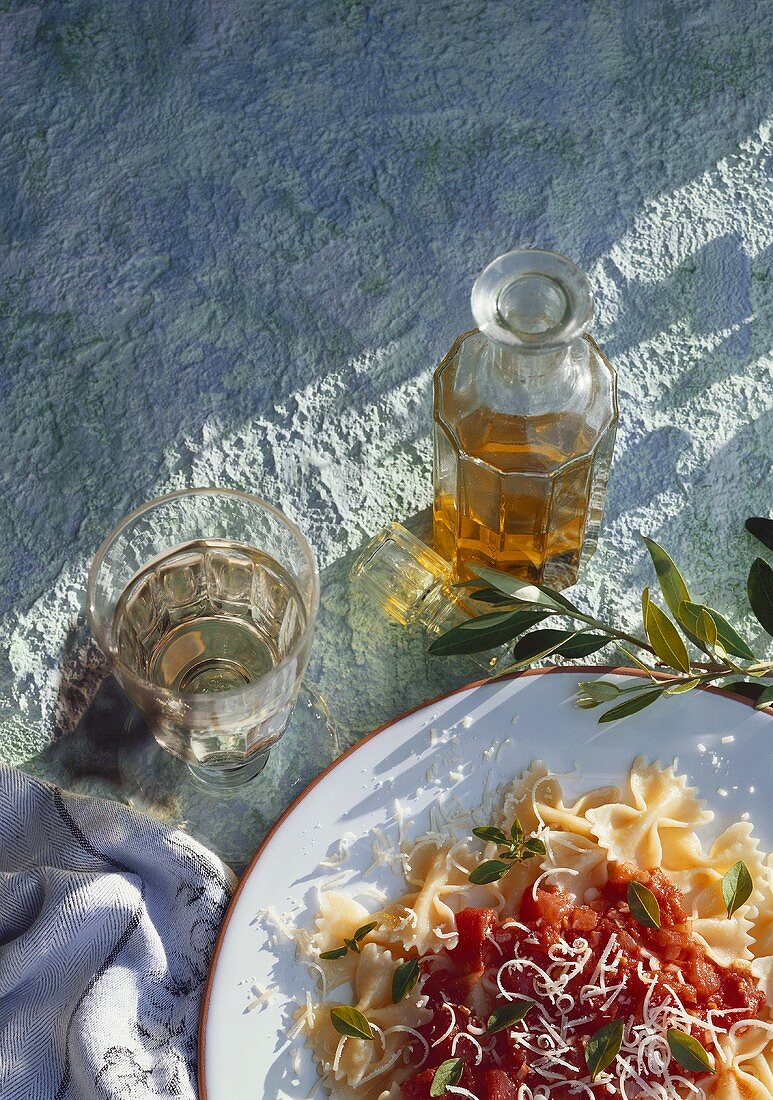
x: 338, y: 918
x: 575, y: 864
x: 535, y: 786
x: 762, y: 936
x: 360, y: 1062
x: 424, y: 918
x: 573, y: 818
x: 745, y: 1065
x: 726, y: 939
x: 651, y: 828
x: 537, y: 800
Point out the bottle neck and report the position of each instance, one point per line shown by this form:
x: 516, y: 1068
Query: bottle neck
x: 519, y: 383
x: 531, y: 302
x: 515, y: 364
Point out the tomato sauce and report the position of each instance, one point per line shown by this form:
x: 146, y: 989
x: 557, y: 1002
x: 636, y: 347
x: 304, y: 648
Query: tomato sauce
x: 583, y: 965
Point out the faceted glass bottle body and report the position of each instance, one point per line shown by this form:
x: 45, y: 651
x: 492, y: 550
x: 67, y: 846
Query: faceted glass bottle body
x: 525, y: 418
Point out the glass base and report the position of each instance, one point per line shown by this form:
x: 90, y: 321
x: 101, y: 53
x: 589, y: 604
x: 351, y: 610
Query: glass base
x: 222, y: 807
x: 226, y: 778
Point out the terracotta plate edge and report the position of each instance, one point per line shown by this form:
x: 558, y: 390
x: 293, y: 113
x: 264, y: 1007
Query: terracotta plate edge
x: 576, y: 669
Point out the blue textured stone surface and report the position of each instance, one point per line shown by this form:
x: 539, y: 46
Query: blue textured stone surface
x: 235, y: 238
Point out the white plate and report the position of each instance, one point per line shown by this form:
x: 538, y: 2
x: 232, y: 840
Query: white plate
x: 444, y: 746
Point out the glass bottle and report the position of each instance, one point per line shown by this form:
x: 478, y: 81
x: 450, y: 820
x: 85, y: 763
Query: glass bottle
x: 525, y: 411
x: 414, y: 585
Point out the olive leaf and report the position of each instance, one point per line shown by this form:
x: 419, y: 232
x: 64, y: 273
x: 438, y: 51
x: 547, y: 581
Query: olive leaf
x: 631, y: 705
x: 404, y: 979
x: 689, y: 616
x: 762, y: 529
x: 688, y: 1052
x: 523, y: 591
x: 643, y: 905
x: 447, y: 1073
x: 506, y: 1015
x: 663, y: 636
x: 681, y: 686
x: 519, y: 607
x: 583, y: 644
x: 748, y: 689
x: 592, y: 693
x: 490, y: 595
x: 351, y: 1022
x: 485, y: 632
x: 538, y: 644
x: 603, y: 1047
x: 671, y: 582
x: 737, y: 886
x: 706, y: 628
x: 759, y: 588
x: 765, y: 699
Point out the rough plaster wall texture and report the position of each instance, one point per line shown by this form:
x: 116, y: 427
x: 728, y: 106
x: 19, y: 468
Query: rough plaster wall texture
x: 237, y: 237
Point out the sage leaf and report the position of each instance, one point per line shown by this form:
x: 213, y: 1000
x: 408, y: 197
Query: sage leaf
x: 665, y: 638
x: 447, y: 1073
x: 491, y: 870
x: 508, y: 1014
x: 690, y: 617
x: 737, y: 887
x: 759, y: 588
x: 490, y: 834
x: 765, y: 699
x: 762, y: 529
x: 362, y: 932
x: 485, y: 632
x: 535, y: 846
x: 353, y: 946
x: 350, y: 1021
x: 688, y: 1052
x: 603, y: 1047
x: 404, y: 979
x: 516, y: 831
x: 336, y: 953
x: 630, y: 706
x: 643, y: 905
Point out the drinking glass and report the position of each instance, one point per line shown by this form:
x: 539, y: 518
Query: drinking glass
x: 204, y: 603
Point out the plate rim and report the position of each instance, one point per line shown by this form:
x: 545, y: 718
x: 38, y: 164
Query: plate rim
x: 615, y: 670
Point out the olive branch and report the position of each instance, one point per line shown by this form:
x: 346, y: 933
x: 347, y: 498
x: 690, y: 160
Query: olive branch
x: 723, y: 655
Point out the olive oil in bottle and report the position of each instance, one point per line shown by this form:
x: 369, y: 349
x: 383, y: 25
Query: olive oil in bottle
x: 525, y: 418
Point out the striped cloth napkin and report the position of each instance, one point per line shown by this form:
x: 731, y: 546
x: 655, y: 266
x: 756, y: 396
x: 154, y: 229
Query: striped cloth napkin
x: 108, y: 920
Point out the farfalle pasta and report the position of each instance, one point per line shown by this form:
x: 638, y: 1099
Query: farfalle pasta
x: 561, y: 925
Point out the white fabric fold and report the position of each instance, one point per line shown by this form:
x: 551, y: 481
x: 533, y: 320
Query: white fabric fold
x: 108, y: 920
